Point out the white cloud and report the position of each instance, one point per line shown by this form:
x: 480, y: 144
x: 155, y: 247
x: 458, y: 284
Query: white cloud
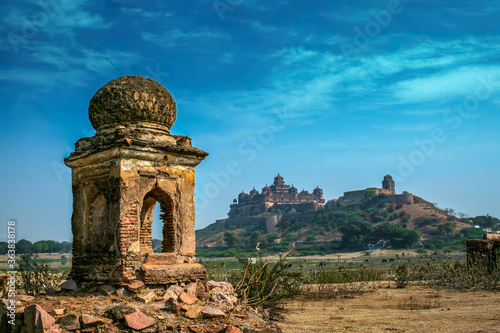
x: 54, y: 18
x: 462, y: 81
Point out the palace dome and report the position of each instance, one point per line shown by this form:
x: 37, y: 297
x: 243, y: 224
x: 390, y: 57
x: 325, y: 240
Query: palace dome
x: 131, y: 100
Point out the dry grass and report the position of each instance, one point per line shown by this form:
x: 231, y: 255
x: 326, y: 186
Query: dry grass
x: 413, y: 309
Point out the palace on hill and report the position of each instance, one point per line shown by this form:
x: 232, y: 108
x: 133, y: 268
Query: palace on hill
x: 282, y: 198
x: 277, y: 196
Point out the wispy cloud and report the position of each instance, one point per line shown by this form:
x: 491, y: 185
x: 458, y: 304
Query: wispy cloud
x: 145, y: 13
x: 177, y: 36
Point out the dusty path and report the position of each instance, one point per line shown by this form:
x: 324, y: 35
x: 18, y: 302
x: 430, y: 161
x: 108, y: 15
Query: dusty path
x: 390, y: 310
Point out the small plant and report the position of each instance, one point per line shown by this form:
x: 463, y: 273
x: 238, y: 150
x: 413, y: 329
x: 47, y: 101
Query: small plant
x: 37, y: 277
x: 266, y: 284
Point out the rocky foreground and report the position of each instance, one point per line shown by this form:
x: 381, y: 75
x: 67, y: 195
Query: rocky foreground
x: 93, y: 307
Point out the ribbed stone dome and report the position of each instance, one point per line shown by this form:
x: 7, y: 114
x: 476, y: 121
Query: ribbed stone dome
x: 132, y: 99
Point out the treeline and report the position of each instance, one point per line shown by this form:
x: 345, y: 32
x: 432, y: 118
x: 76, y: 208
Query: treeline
x: 43, y: 246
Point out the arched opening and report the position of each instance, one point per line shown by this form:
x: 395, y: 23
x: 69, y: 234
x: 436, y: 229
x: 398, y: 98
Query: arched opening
x: 166, y: 217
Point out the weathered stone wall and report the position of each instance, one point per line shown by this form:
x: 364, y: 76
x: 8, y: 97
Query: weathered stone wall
x: 484, y: 252
x: 405, y: 198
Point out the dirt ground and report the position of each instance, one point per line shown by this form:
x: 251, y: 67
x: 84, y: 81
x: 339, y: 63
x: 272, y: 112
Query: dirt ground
x: 413, y: 309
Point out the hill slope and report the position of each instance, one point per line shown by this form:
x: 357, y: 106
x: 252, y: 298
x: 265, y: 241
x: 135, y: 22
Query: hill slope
x: 371, y: 222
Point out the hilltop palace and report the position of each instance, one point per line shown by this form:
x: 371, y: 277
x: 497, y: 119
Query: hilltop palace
x: 278, y: 195
x: 286, y: 198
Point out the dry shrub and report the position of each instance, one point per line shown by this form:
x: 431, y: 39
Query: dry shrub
x: 37, y: 277
x: 266, y: 284
x: 445, y: 272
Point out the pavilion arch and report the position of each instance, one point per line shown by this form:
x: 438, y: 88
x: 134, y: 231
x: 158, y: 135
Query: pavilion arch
x: 166, y: 216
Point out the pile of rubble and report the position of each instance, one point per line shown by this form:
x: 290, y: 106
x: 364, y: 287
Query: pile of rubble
x: 95, y: 307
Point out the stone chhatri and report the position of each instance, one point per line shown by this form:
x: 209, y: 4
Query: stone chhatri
x: 119, y: 175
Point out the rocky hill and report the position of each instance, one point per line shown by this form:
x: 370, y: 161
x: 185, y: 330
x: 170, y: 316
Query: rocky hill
x: 369, y: 223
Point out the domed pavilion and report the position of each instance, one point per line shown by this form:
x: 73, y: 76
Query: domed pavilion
x: 118, y: 176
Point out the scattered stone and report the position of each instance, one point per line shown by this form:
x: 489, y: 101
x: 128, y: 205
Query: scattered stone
x: 190, y: 289
x: 221, y: 301
x: 226, y: 287
x: 173, y: 291
x: 192, y: 313
x: 69, y: 322
x: 203, y: 296
x: 187, y: 298
x: 184, y: 307
x: 122, y: 292
x: 162, y: 305
x: 232, y: 329
x: 147, y: 296
x: 169, y: 316
x: 119, y: 312
x: 175, y: 305
x: 138, y: 320
x: 54, y: 329
x: 35, y: 317
x: 24, y: 298
x: 211, y: 312
x: 106, y: 289
x: 135, y: 286
x: 91, y: 321
x: 68, y: 285
x: 58, y: 312
x: 257, y: 321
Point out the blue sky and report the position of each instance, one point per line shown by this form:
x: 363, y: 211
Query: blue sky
x: 335, y: 94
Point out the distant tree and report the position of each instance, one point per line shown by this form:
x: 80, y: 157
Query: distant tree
x: 398, y: 237
x: 472, y: 233
x: 272, y: 236
x: 447, y: 228
x: 449, y: 211
x: 40, y: 247
x: 356, y: 232
x: 24, y: 246
x: 487, y: 221
x: 370, y: 193
x: 230, y: 238
x: 3, y: 248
